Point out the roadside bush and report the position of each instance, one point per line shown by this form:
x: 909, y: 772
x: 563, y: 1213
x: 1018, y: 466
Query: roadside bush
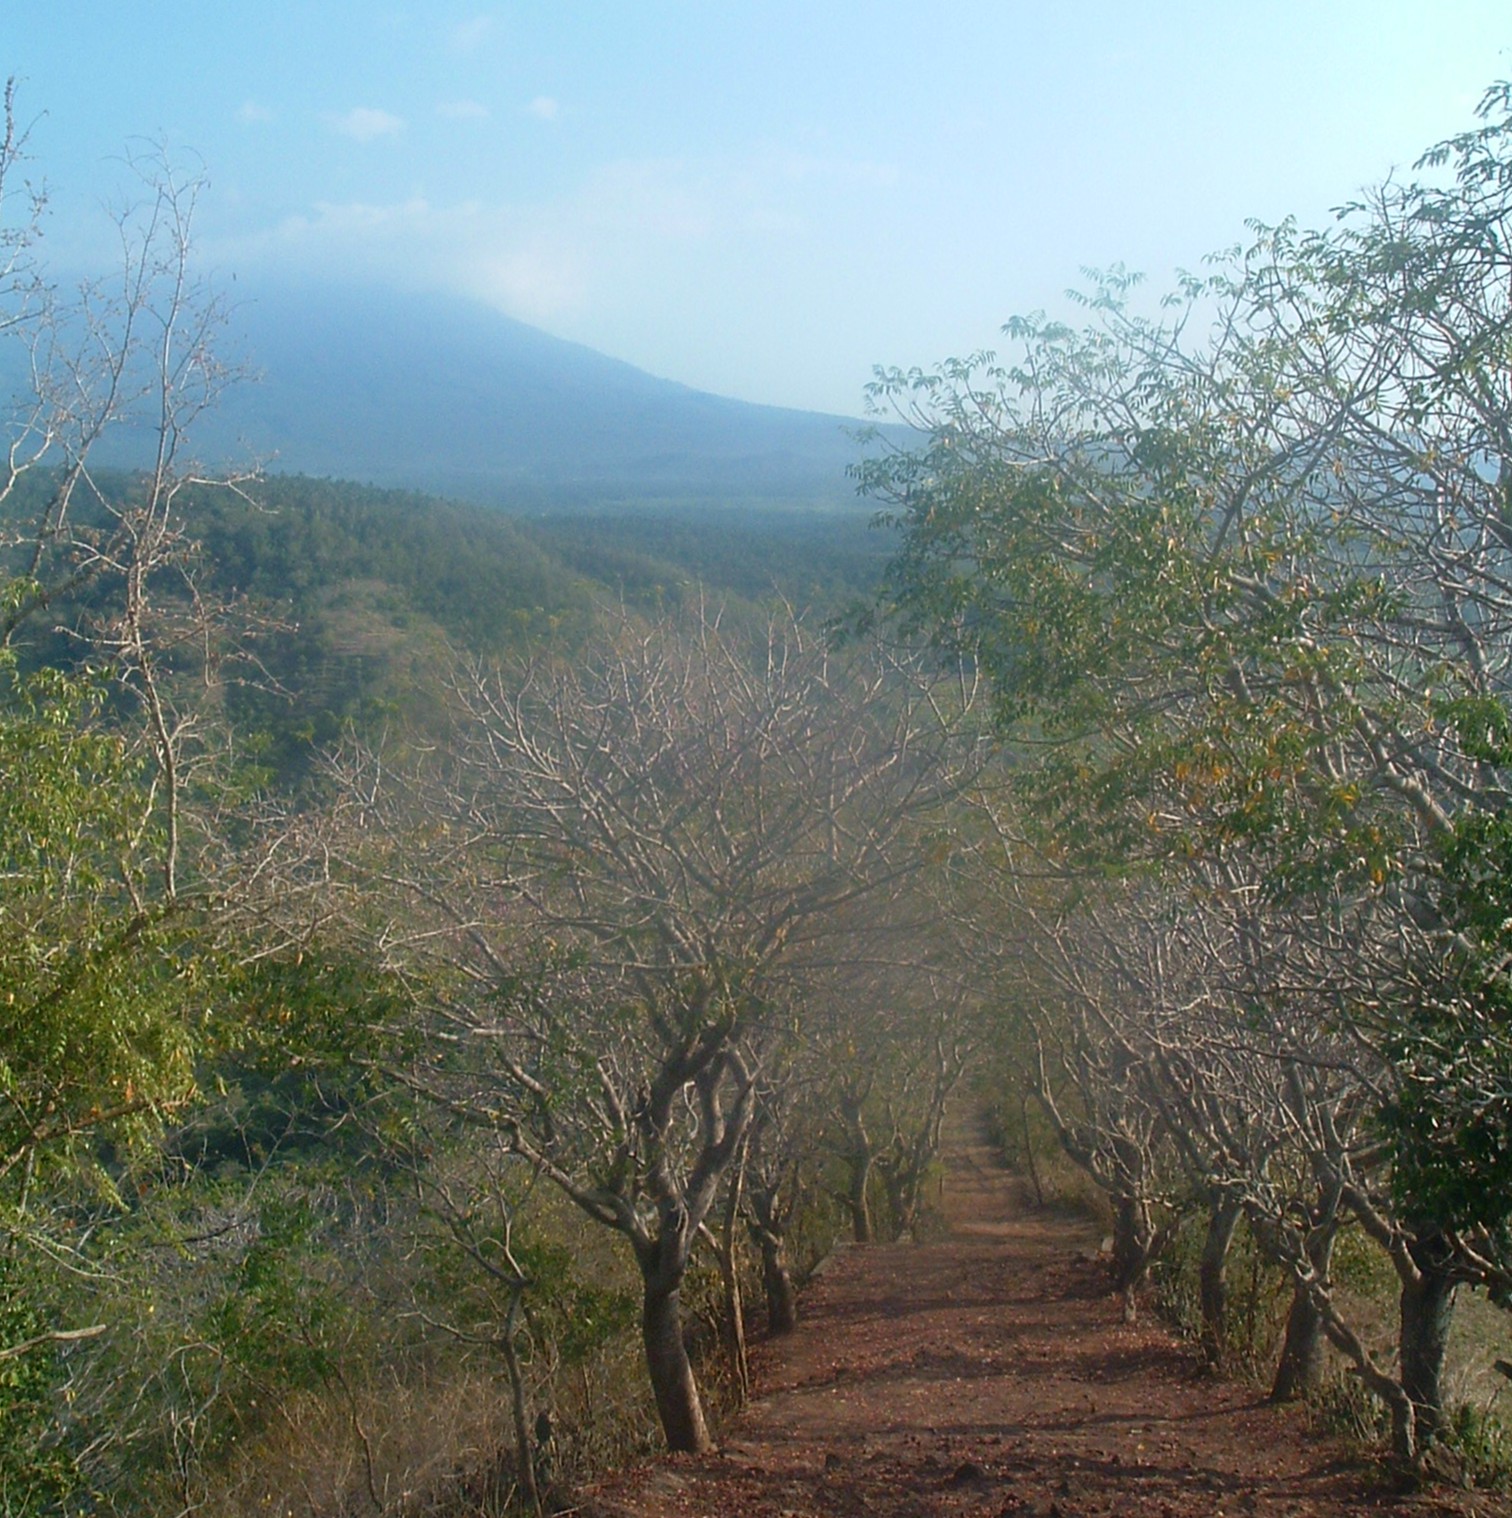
x: 408, y: 1410
x: 1483, y: 1442
x: 1344, y: 1406
x: 1259, y: 1294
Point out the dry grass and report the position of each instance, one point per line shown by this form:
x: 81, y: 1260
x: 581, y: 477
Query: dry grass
x: 391, y: 1449
x: 438, y: 1441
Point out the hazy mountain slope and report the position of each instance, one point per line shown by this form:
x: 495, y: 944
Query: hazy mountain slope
x: 447, y: 395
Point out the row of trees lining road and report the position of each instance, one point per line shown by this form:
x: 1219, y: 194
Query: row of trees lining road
x: 678, y: 932
x: 627, y: 889
x: 1238, y: 579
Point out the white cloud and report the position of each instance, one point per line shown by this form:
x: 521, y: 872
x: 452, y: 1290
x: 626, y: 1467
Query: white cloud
x: 604, y: 258
x: 524, y: 261
x: 364, y: 124
x: 537, y: 283
x: 251, y: 113
x: 463, y: 110
x: 467, y: 35
x: 544, y: 108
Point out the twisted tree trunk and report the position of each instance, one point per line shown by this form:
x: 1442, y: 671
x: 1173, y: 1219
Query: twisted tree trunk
x: 672, y: 1381
x: 777, y: 1285
x: 859, y: 1158
x: 1299, y: 1372
x: 1427, y: 1313
x: 1224, y: 1211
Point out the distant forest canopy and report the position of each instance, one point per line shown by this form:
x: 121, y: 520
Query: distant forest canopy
x: 359, y: 589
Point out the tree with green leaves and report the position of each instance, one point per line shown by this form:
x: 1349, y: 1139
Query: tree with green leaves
x: 110, y: 795
x: 1241, y: 600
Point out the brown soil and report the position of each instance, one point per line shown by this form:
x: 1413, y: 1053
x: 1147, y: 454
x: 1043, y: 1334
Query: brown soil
x: 990, y: 1374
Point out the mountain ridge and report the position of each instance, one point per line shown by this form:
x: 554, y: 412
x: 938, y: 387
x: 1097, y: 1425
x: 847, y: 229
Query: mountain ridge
x: 443, y: 394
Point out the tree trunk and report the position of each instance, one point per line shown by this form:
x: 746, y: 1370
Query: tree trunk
x: 525, y: 1469
x: 859, y: 1157
x: 857, y: 1199
x: 1131, y: 1249
x: 734, y: 1302
x: 1299, y: 1372
x: 1212, y: 1274
x: 735, y: 1331
x: 777, y: 1284
x: 677, y: 1401
x: 1427, y: 1312
x: 902, y: 1189
x: 1034, y: 1175
x: 768, y: 1229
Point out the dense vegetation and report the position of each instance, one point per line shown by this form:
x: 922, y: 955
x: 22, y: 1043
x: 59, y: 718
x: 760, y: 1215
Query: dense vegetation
x: 449, y: 962
x: 1242, y: 605
x: 350, y: 596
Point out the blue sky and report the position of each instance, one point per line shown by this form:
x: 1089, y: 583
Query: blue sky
x: 760, y: 199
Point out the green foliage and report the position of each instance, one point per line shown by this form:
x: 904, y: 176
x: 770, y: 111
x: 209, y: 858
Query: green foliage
x: 1144, y: 654
x: 1452, y: 1112
x: 359, y: 594
x: 37, y: 1469
x: 1240, y: 607
x: 95, y: 1040
x: 1482, y: 1440
x: 581, y: 1315
x: 356, y: 596
x: 573, y: 1307
x: 666, y: 559
x: 1451, y: 1115
x: 278, y: 1320
x: 480, y: 576
x: 231, y: 1299
x: 296, y: 1068
x: 362, y: 591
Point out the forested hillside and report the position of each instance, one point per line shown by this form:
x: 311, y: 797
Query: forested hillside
x: 353, y: 594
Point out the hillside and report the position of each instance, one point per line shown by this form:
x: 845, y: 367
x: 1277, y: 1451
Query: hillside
x: 442, y: 394
x: 357, y: 592
x: 363, y: 589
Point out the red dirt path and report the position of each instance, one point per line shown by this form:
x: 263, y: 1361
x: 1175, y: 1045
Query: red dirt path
x: 989, y: 1374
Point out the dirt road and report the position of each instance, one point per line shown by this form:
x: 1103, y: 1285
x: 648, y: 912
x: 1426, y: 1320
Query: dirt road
x: 989, y: 1374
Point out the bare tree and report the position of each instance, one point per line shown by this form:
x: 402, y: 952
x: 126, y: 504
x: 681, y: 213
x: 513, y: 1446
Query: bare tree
x: 896, y: 1035
x: 630, y: 862
x: 781, y: 1181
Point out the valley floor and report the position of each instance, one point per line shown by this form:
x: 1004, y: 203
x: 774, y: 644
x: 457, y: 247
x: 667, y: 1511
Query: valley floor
x: 990, y: 1374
